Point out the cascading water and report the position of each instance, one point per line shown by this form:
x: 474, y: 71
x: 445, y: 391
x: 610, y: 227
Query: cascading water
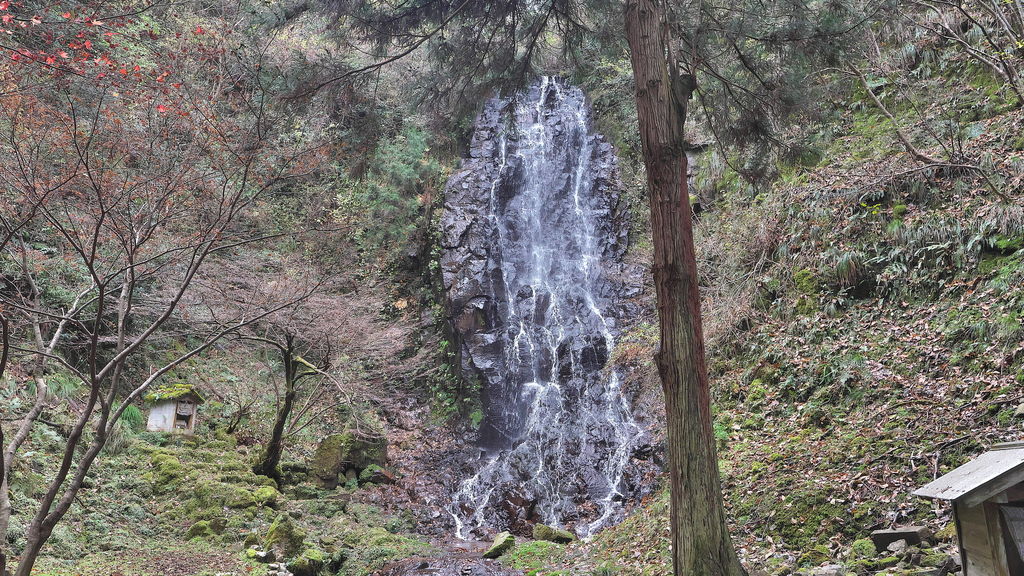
x: 533, y: 236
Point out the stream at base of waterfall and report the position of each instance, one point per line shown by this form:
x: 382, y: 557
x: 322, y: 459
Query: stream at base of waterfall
x: 533, y: 236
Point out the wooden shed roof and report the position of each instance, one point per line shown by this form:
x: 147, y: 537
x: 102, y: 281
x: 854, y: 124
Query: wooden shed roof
x: 173, y: 391
x: 981, y: 478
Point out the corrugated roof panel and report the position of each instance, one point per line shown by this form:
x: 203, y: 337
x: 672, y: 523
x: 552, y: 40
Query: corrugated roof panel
x: 983, y: 471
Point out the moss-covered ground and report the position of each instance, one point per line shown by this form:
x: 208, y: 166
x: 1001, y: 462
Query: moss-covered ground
x: 171, y: 505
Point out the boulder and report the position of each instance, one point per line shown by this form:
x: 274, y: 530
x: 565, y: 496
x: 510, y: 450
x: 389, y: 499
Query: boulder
x: 863, y: 548
x: 308, y: 563
x: 545, y: 532
x: 339, y: 452
x: 898, y: 547
x: 937, y: 559
x: 503, y: 542
x: 284, y: 535
x: 201, y: 529
x: 912, y: 534
x: 266, y: 496
x: 374, y: 474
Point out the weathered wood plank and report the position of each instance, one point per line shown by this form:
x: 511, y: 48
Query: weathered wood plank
x: 990, y: 473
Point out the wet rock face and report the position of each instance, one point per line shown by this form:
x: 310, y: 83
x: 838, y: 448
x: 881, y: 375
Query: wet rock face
x: 533, y: 233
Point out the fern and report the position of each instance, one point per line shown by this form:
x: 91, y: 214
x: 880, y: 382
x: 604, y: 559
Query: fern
x: 132, y: 418
x: 64, y: 386
x: 850, y: 269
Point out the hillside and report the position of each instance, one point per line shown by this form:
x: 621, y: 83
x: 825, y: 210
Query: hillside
x: 411, y: 303
x: 864, y: 316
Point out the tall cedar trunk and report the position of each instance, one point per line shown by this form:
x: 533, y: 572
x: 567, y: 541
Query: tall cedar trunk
x: 271, y: 458
x: 700, y: 538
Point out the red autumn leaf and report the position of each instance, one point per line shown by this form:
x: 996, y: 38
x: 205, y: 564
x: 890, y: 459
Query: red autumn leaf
x: 161, y: 108
x: 66, y: 14
x: 4, y: 5
x: 199, y: 30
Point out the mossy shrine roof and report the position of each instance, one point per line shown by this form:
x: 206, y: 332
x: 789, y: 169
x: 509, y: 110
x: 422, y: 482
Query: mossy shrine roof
x: 172, y: 391
x: 980, y: 479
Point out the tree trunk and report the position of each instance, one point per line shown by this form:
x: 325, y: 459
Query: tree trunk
x: 269, y: 463
x: 700, y: 538
x: 5, y: 495
x: 5, y: 502
x: 34, y: 541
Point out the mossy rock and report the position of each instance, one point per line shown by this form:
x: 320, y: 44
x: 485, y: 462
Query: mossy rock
x: 863, y: 548
x: 339, y: 452
x: 366, y: 476
x: 239, y: 498
x: 201, y: 530
x: 210, y: 494
x: 374, y: 474
x: 167, y: 470
x: 309, y: 563
x: 257, y: 554
x: 285, y: 535
x: 239, y: 477
x: 219, y: 446
x: 551, y: 534
x: 206, y: 456
x: 266, y: 496
x: 306, y: 491
x: 806, y: 281
x: 503, y: 542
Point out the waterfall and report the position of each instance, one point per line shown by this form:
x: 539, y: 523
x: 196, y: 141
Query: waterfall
x: 532, y: 230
